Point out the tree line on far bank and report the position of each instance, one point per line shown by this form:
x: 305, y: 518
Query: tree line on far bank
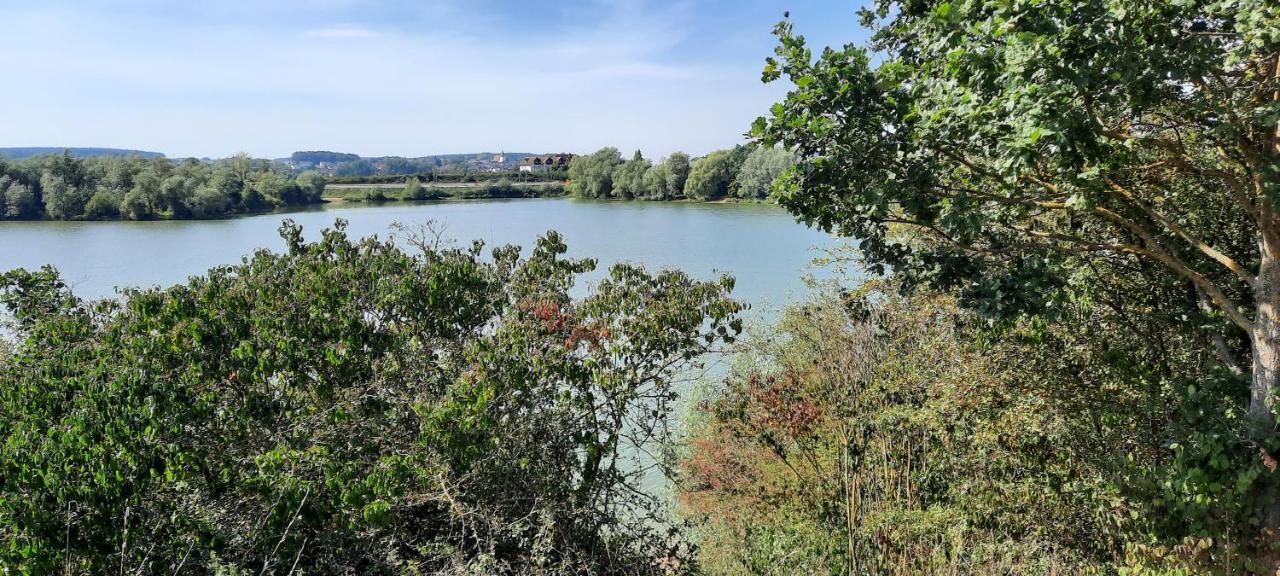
x: 739, y: 172
x: 61, y: 187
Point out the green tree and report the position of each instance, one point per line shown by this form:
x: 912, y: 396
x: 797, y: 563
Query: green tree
x: 1026, y: 140
x: 413, y: 189
x: 21, y: 202
x: 665, y: 180
x: 677, y: 173
x: 104, y: 204
x: 5, y: 182
x: 146, y: 192
x: 71, y: 170
x: 713, y: 174
x: 758, y: 172
x: 61, y: 200
x: 175, y: 195
x: 135, y: 205
x: 313, y: 183
x: 272, y: 186
x: 117, y: 173
x: 628, y: 177
x: 98, y: 187
x: 209, y: 202
x: 591, y: 176
x: 656, y: 182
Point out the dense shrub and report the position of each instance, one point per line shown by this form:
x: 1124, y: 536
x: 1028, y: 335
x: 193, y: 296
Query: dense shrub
x: 347, y: 407
x: 872, y: 433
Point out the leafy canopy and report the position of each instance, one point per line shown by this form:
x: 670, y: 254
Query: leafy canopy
x: 1021, y: 138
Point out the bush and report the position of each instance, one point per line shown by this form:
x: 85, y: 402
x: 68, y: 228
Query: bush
x: 875, y: 439
x: 905, y: 435
x: 347, y: 407
x: 413, y: 190
x: 103, y: 205
x: 20, y: 202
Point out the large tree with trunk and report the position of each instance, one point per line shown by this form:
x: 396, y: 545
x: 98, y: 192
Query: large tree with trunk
x: 1000, y: 147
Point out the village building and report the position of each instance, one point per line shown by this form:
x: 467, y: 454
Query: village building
x: 545, y: 163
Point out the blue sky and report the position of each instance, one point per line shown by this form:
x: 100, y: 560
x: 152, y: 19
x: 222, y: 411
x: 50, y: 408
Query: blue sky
x: 394, y: 77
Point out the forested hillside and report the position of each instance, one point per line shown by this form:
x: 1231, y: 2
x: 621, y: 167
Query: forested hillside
x: 27, y: 152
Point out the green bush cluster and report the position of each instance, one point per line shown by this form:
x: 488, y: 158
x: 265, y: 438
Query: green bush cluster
x: 871, y: 433
x: 348, y: 407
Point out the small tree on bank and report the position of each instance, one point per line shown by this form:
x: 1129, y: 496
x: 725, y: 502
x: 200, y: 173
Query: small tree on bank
x: 712, y: 176
x: 677, y: 172
x: 591, y: 176
x: 762, y: 166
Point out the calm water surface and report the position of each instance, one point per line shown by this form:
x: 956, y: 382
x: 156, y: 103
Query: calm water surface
x: 762, y: 246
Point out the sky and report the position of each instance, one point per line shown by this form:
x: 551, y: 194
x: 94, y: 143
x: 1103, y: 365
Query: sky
x: 395, y: 77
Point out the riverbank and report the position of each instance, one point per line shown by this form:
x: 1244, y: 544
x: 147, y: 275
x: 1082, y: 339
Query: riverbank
x: 444, y: 191
x: 399, y: 192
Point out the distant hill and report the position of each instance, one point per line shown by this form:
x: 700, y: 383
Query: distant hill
x: 335, y: 157
x: 19, y: 153
x: 352, y: 165
x: 323, y: 156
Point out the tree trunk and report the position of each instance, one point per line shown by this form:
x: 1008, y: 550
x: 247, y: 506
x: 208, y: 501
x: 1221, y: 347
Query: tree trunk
x: 1265, y: 341
x: 1265, y: 336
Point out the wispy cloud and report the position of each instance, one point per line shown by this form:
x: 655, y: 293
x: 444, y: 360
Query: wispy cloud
x: 339, y: 32
x: 380, y: 76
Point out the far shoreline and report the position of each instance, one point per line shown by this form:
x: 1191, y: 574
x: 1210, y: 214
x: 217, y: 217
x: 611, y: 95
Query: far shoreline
x: 342, y: 202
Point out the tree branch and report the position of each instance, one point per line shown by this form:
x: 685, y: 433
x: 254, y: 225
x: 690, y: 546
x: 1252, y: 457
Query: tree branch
x: 1200, y: 245
x: 1215, y: 294
x: 1153, y: 249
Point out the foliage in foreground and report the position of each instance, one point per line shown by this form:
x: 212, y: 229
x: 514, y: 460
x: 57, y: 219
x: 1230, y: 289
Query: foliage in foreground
x: 1031, y: 139
x: 869, y: 433
x: 347, y: 407
x: 1105, y: 170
